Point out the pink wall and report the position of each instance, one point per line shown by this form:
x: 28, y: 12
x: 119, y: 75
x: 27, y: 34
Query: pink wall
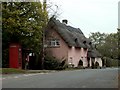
x: 61, y: 52
x: 77, y: 54
x: 64, y: 52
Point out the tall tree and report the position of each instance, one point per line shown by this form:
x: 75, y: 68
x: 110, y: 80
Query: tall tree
x: 118, y: 33
x: 107, y: 44
x: 23, y: 22
x: 98, y: 38
x: 110, y: 47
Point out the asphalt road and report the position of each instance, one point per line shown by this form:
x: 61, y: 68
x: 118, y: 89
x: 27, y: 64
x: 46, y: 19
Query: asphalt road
x: 85, y: 78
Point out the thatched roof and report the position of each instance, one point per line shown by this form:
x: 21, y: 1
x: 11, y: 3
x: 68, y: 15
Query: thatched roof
x: 72, y: 36
x: 93, y: 53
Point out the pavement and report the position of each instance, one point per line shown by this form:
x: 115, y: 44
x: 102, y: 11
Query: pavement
x: 85, y: 78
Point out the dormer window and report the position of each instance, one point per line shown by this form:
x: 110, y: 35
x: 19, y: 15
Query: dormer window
x: 84, y: 42
x: 75, y: 39
x: 90, y: 43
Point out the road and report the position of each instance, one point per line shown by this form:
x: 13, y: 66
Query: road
x: 85, y: 78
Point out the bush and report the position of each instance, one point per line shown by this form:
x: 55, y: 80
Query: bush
x: 5, y: 58
x: 112, y: 62
x: 52, y: 63
x: 119, y: 79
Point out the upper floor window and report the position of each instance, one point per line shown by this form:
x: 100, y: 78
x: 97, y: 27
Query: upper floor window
x: 54, y: 42
x: 90, y: 43
x: 84, y: 42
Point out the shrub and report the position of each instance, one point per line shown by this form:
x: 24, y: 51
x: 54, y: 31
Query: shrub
x: 52, y: 63
x: 119, y: 80
x: 112, y: 62
x: 108, y: 62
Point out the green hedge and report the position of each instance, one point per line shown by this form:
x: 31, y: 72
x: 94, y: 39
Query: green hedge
x: 112, y: 62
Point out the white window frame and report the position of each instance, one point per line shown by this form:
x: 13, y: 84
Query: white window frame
x: 54, y: 42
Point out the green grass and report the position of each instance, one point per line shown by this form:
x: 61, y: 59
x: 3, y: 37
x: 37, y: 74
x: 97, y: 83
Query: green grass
x: 18, y: 71
x: 11, y: 71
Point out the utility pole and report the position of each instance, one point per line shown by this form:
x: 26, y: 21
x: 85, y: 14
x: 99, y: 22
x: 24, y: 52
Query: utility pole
x: 43, y: 37
x: 118, y: 32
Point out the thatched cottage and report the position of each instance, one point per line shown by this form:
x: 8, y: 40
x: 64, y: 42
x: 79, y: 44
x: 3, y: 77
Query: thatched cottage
x: 68, y: 43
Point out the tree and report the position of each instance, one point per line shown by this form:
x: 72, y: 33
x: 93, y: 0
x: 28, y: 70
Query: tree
x: 111, y: 45
x: 98, y: 38
x: 23, y: 22
x: 106, y: 44
x: 118, y: 33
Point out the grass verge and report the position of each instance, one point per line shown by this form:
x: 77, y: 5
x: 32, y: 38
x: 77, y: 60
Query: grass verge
x: 18, y: 71
x: 11, y: 71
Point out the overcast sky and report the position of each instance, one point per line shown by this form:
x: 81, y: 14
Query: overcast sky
x: 89, y: 15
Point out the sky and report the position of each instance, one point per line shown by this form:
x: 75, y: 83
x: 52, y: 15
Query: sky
x: 119, y: 15
x: 88, y: 15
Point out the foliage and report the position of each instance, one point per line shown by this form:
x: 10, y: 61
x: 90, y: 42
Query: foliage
x: 118, y: 79
x: 112, y: 62
x: 106, y: 44
x: 118, y: 33
x: 5, y: 59
x: 111, y: 46
x: 52, y: 63
x: 98, y: 38
x: 23, y: 22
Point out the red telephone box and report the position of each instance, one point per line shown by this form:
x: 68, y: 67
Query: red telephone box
x: 15, y: 56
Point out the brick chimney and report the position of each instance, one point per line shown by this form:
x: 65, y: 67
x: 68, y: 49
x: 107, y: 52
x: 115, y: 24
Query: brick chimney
x: 65, y: 21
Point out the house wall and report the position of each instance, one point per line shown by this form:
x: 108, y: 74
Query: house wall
x: 60, y: 52
x: 90, y: 62
x: 99, y: 60
x: 71, y: 54
x: 77, y: 54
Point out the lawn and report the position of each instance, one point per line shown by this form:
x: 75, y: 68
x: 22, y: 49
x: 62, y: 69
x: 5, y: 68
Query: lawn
x: 17, y: 71
x: 11, y: 71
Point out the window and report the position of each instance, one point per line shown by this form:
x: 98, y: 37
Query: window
x: 84, y: 42
x: 90, y: 43
x: 54, y: 42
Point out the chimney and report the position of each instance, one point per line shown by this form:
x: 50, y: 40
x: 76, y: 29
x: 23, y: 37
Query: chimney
x: 65, y: 21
